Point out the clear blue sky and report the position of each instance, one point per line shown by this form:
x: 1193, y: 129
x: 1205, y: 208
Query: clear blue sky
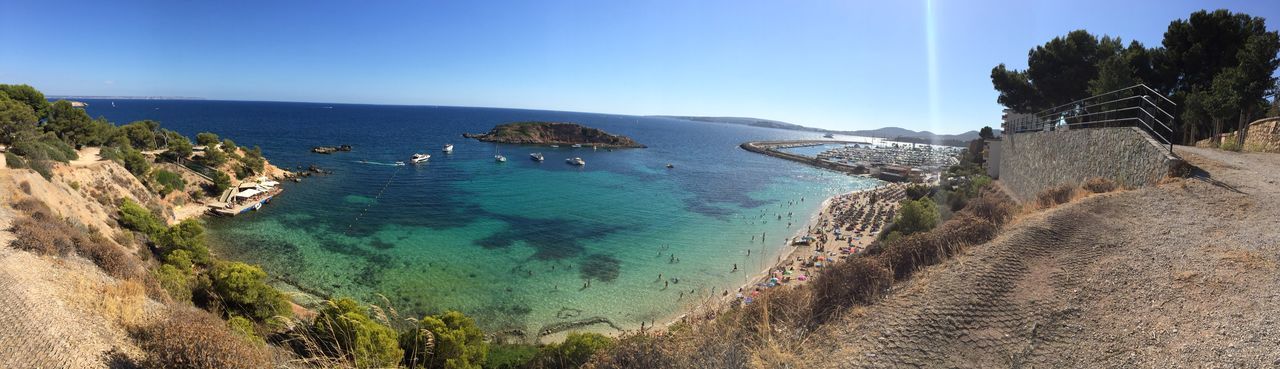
x: 832, y: 64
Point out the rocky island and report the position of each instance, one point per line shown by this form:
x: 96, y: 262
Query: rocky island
x: 552, y: 133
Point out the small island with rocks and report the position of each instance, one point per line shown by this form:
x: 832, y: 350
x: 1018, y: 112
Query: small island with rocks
x: 553, y: 133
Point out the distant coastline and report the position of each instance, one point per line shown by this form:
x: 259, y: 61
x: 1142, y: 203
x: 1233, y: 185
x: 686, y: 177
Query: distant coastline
x: 88, y: 97
x: 890, y: 133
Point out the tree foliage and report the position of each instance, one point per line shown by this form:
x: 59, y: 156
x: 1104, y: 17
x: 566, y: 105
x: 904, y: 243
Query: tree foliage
x: 28, y: 96
x: 916, y: 216
x: 135, y: 162
x: 168, y: 181
x: 243, y: 290
x: 456, y: 343
x: 206, y: 139
x: 69, y: 123
x: 344, y: 329
x: 135, y: 217
x: 1217, y: 66
x: 17, y: 120
x: 577, y: 348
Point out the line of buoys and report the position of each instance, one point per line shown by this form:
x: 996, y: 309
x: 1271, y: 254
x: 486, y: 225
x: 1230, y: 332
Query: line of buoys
x: 375, y: 199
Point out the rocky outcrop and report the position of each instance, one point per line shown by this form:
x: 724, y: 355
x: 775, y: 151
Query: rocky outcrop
x: 550, y: 133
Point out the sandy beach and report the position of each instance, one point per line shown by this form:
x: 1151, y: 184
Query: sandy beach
x: 830, y: 234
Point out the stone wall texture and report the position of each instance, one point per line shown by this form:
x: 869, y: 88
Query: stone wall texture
x: 1263, y: 136
x: 1034, y: 161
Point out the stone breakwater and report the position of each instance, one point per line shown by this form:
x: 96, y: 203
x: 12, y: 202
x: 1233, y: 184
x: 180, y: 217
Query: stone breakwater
x: 769, y: 148
x: 1032, y: 162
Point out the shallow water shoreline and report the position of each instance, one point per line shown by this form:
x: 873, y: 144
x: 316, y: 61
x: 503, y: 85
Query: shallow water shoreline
x: 717, y: 303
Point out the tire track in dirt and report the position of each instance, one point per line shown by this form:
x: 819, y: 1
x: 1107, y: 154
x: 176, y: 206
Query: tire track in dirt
x: 975, y: 312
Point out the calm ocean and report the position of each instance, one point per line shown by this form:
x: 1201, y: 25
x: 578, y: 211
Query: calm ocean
x: 510, y: 243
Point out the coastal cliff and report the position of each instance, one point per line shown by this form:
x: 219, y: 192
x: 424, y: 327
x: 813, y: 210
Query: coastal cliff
x: 552, y: 133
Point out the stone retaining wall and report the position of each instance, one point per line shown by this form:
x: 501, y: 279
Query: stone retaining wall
x: 1034, y: 161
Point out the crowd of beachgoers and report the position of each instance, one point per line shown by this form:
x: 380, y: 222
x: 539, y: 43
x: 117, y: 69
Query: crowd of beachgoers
x: 846, y: 225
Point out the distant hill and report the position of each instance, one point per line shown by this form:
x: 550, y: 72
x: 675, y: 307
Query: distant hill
x: 892, y: 133
x: 754, y: 122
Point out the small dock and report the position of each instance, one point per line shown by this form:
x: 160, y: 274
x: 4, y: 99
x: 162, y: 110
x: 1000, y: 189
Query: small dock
x: 246, y: 197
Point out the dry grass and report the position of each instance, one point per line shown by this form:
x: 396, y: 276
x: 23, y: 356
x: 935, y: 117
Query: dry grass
x: 123, y: 302
x: 42, y: 232
x: 1099, y: 185
x: 51, y: 237
x: 1055, y: 196
x: 192, y: 338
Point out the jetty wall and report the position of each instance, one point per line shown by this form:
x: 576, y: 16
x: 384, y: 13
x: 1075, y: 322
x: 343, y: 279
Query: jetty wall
x: 763, y: 147
x: 1031, y: 162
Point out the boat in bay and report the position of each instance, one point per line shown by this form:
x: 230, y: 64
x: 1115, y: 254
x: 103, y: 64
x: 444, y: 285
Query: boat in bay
x: 448, y: 148
x: 419, y: 158
x: 575, y: 161
x: 537, y: 156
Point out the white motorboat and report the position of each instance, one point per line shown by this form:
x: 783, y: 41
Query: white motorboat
x: 576, y: 161
x: 500, y: 158
x: 419, y: 158
x: 556, y: 146
x: 537, y: 156
x: 577, y: 145
x: 448, y: 148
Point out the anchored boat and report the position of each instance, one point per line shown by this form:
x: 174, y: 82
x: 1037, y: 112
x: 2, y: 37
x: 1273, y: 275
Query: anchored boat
x: 576, y: 161
x: 537, y: 156
x: 419, y: 158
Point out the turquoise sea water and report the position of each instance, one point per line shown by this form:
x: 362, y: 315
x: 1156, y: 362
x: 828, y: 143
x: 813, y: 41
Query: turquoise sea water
x: 513, y: 243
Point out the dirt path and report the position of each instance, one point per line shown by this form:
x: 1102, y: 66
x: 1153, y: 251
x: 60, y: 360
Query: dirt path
x: 1180, y: 275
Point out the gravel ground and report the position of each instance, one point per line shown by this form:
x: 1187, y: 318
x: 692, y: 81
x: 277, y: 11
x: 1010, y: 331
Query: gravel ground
x: 1179, y: 275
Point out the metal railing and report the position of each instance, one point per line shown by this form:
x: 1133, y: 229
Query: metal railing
x: 1134, y: 106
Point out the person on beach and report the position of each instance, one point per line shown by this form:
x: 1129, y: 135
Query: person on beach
x: 735, y: 267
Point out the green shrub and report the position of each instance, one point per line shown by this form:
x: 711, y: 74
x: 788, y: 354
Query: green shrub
x: 916, y: 216
x: 191, y: 338
x: 206, y: 139
x: 229, y: 145
x: 510, y: 356
x: 138, y: 218
x: 14, y: 161
x: 343, y: 329
x: 576, y: 349
x: 135, y: 162
x: 244, y: 327
x: 455, y: 342
x: 255, y: 164
x: 187, y: 236
x: 1229, y: 145
x: 213, y: 157
x: 175, y: 281
x: 242, y: 172
x: 221, y: 182
x: 112, y: 154
x: 242, y: 289
x: 169, y: 181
